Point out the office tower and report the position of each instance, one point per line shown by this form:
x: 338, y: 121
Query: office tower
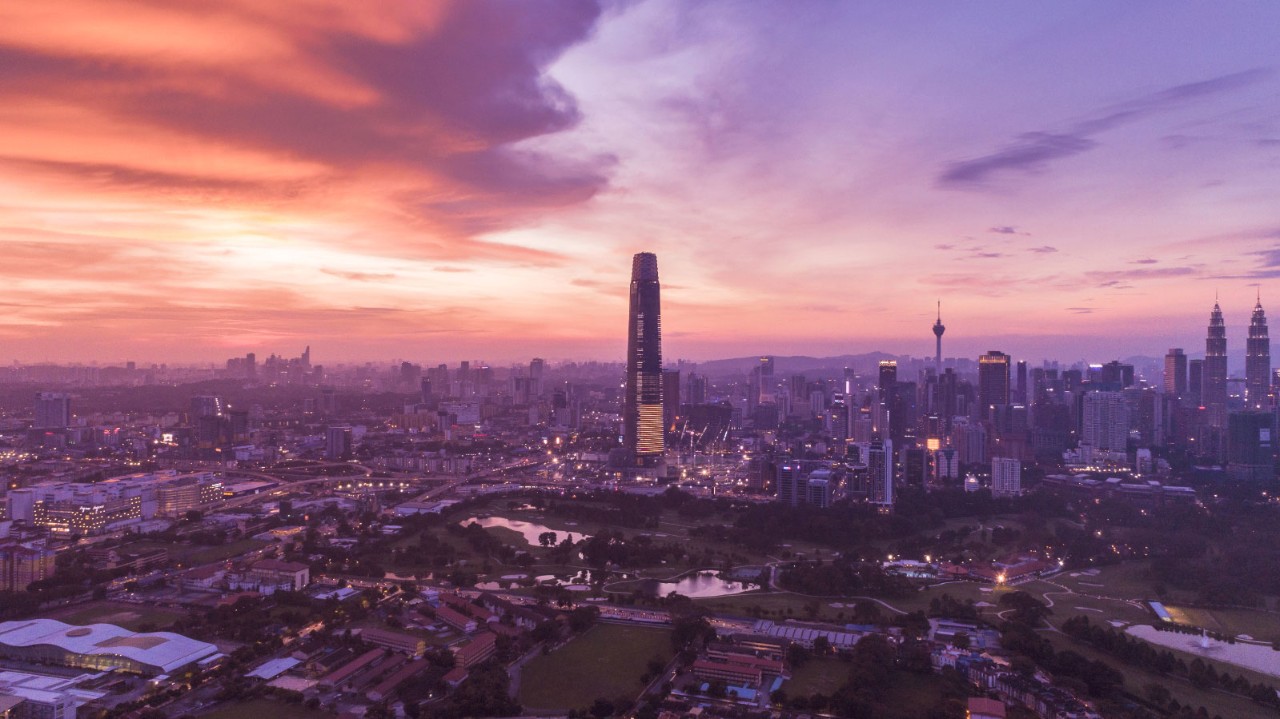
x: 338, y: 443
x: 1195, y: 381
x: 670, y: 398
x: 1006, y: 477
x: 880, y: 473
x: 1022, y: 382
x: 761, y: 387
x: 938, y: 329
x: 642, y: 416
x: 1213, y: 391
x: 1105, y: 419
x: 993, y: 382
x: 537, y: 368
x: 52, y: 411
x: 1114, y: 375
x: 799, y: 482
x: 1175, y: 373
x: 697, y: 389
x: 886, y: 389
x: 1250, y: 448
x: 1257, y: 360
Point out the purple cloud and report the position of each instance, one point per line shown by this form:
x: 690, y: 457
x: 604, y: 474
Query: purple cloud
x: 1033, y: 151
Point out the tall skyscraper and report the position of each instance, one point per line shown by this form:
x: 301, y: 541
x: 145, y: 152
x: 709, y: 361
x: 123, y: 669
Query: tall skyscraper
x: 1257, y: 360
x: 993, y: 382
x: 887, y: 388
x: 880, y: 473
x: 643, y: 435
x: 670, y: 398
x: 1021, y: 383
x: 1195, y: 381
x: 938, y: 329
x: 1175, y: 373
x: 1213, y: 393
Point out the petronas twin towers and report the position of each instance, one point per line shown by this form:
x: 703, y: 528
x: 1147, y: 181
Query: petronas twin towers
x: 1257, y: 365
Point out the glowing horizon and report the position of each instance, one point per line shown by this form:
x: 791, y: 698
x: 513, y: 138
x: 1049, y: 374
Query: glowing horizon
x: 469, y: 179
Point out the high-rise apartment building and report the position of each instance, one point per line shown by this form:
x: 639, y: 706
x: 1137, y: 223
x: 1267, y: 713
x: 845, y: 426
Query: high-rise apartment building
x: 1175, y: 373
x: 1257, y: 361
x: 1213, y: 391
x: 1006, y: 477
x: 1105, y: 420
x: 52, y: 411
x: 22, y: 564
x: 643, y: 435
x: 993, y: 382
x: 880, y: 473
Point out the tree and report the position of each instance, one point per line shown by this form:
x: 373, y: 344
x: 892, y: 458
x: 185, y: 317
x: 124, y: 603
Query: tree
x: 547, y: 539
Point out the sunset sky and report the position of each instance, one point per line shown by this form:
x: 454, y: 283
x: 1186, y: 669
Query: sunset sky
x: 437, y: 181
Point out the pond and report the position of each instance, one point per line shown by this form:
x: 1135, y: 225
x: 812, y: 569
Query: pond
x: 529, y: 530
x: 697, y: 585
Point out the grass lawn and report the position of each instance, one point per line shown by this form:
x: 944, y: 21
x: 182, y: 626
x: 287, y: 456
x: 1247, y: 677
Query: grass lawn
x: 1128, y: 580
x: 189, y: 555
x: 1136, y: 679
x: 195, y: 554
x: 605, y: 662
x: 257, y: 708
x: 1259, y: 625
x: 129, y: 616
x: 817, y: 676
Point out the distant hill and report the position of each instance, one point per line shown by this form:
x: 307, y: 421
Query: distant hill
x: 795, y: 364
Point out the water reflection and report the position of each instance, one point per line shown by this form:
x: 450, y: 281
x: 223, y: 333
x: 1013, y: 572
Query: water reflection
x: 697, y: 585
x: 529, y: 530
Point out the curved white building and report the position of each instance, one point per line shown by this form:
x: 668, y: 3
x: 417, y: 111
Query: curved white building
x: 100, y: 647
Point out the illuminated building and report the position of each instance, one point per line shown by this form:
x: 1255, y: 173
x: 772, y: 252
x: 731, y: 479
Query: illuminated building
x: 70, y: 508
x: 887, y: 388
x: 1257, y: 360
x: 22, y: 564
x: 880, y: 473
x: 100, y: 647
x: 643, y: 436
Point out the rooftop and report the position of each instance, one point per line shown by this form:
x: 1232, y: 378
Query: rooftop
x: 165, y: 650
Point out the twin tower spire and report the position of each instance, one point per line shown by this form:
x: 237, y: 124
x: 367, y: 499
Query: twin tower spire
x: 1257, y: 364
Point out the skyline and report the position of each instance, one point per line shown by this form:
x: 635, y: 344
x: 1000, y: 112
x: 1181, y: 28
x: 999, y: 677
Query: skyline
x: 469, y: 179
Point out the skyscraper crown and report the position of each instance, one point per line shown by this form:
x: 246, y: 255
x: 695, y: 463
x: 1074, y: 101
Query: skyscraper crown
x: 644, y: 266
